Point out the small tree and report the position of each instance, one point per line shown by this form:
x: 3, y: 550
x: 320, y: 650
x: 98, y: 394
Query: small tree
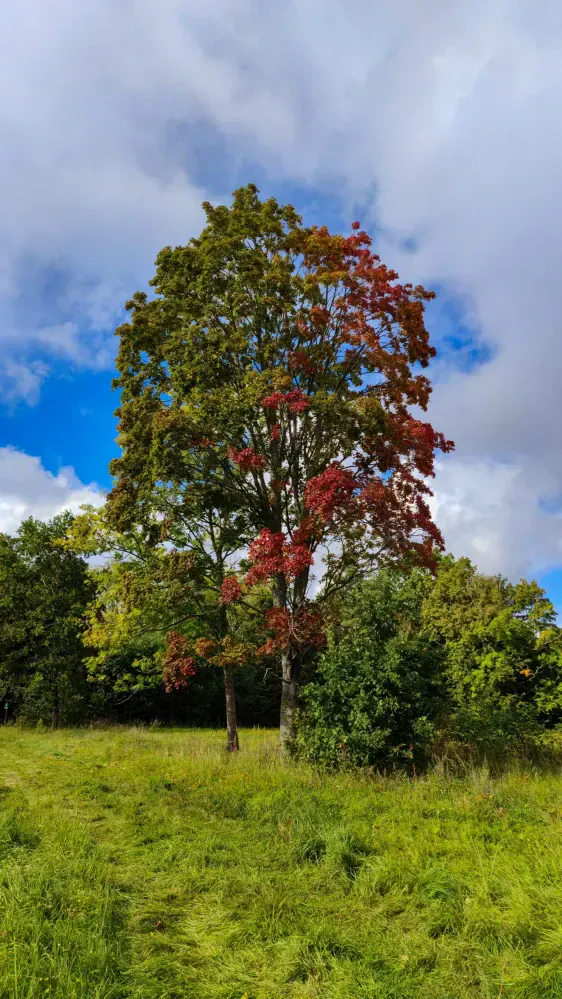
x: 274, y: 370
x: 162, y: 583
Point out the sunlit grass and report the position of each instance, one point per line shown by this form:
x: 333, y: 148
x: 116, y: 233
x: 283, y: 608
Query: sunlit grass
x: 148, y: 864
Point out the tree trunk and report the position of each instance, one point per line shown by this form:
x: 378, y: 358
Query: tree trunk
x: 231, y: 725
x: 55, y: 716
x: 290, y: 693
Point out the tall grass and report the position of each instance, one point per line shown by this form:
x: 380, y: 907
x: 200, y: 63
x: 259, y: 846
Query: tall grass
x: 148, y: 864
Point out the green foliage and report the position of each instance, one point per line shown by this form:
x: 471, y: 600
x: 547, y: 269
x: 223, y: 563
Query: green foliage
x: 145, y: 864
x: 44, y: 592
x: 373, y: 703
x: 143, y: 590
x: 416, y: 660
x: 504, y: 654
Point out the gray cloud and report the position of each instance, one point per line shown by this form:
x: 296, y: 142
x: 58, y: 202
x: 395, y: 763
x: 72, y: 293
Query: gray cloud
x: 440, y: 119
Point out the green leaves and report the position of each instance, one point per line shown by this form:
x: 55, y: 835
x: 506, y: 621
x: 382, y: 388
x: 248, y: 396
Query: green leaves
x: 44, y: 590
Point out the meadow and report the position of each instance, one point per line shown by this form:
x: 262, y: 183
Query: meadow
x: 148, y: 864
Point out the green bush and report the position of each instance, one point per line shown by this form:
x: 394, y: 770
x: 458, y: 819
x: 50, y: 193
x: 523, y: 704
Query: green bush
x: 372, y: 704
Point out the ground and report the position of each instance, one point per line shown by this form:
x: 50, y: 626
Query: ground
x: 147, y: 864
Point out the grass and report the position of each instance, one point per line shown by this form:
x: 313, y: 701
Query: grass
x: 146, y: 864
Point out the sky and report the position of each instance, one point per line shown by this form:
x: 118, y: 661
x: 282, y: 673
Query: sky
x: 436, y: 124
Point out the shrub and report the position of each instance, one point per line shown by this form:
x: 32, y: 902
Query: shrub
x: 372, y: 704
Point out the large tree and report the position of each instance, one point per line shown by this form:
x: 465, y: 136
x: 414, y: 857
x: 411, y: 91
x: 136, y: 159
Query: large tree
x: 274, y: 370
x: 44, y: 592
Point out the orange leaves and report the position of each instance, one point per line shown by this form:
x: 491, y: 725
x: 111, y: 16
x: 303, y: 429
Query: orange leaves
x: 205, y: 647
x: 180, y: 665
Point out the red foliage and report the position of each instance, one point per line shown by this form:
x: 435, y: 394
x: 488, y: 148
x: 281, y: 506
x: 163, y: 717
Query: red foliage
x: 299, y: 361
x: 246, y: 459
x: 331, y: 491
x: 299, y: 631
x: 179, y: 666
x: 273, y: 401
x: 231, y: 591
x: 297, y: 401
x: 275, y: 432
x: 273, y: 553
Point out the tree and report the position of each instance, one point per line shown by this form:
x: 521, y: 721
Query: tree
x: 503, y: 649
x: 159, y: 593
x: 272, y: 374
x: 44, y: 592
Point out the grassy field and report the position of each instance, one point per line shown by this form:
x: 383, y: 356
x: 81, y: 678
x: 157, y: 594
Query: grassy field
x: 146, y: 864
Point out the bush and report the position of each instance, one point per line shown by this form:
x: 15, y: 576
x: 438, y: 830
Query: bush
x: 372, y: 703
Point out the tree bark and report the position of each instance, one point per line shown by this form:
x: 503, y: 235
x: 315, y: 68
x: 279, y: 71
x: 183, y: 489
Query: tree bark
x: 231, y: 724
x: 290, y: 693
x: 233, y: 744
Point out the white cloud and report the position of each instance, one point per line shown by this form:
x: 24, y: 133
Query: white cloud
x: 488, y: 510
x: 441, y: 118
x: 21, y: 380
x: 27, y: 489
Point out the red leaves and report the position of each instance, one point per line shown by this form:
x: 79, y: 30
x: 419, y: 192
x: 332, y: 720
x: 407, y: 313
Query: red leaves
x: 299, y: 361
x: 295, y: 401
x: 355, y: 225
x: 179, y: 666
x: 231, y: 591
x: 273, y: 401
x: 294, y: 631
x: 330, y: 491
x: 275, y: 432
x: 406, y: 444
x: 246, y: 459
x: 273, y: 554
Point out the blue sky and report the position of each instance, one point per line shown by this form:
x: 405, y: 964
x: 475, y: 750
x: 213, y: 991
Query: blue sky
x: 435, y: 125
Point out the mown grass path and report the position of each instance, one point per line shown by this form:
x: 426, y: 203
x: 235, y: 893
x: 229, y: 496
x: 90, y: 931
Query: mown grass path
x: 147, y: 864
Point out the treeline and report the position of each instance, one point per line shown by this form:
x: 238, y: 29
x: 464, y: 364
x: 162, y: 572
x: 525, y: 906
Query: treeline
x: 74, y: 649
x: 414, y: 660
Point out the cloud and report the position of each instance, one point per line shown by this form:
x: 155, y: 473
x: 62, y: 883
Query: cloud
x: 20, y: 380
x: 488, y: 510
x: 437, y: 123
x: 27, y: 489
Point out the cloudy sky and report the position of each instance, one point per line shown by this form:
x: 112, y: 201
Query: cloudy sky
x: 437, y: 124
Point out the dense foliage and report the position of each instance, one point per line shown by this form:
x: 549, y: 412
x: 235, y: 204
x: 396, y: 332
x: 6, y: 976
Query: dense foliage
x: 417, y: 661
x: 44, y: 593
